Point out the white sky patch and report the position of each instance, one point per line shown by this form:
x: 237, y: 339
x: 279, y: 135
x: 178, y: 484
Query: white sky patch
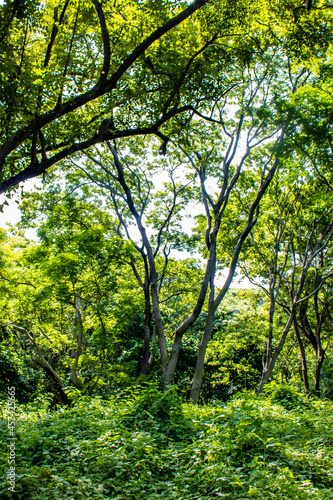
x: 11, y: 213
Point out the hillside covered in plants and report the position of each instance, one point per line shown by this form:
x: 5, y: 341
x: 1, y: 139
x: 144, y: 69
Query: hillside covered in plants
x: 142, y: 444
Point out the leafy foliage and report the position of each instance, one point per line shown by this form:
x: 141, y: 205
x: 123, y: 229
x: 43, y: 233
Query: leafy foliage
x: 147, y: 445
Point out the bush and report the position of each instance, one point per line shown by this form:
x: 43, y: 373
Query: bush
x: 286, y: 395
x: 153, y: 410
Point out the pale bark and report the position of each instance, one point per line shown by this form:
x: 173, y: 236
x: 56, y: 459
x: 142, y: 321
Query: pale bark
x: 309, y: 255
x: 189, y: 321
x: 215, y: 302
x: 197, y: 380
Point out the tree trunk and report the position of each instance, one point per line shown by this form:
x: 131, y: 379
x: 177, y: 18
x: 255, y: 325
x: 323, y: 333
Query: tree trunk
x: 320, y: 361
x: 190, y: 320
x: 79, y: 336
x: 269, y: 347
x: 303, y: 357
x: 146, y: 329
x: 270, y: 366
x: 197, y: 381
x: 47, y: 366
x: 159, y: 326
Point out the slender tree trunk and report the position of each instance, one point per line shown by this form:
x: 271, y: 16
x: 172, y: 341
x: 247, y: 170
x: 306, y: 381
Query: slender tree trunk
x: 78, y: 324
x: 146, y: 328
x: 215, y: 302
x: 269, y: 343
x: 267, y: 360
x: 159, y: 327
x: 269, y: 346
x: 320, y: 351
x: 320, y: 361
x: 199, y: 369
x: 153, y: 276
x: 74, y: 376
x: 197, y: 380
x: 270, y: 366
x: 152, y: 347
x: 190, y: 320
x: 303, y: 357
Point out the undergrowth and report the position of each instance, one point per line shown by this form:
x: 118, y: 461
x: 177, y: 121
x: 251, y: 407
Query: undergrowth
x: 145, y: 445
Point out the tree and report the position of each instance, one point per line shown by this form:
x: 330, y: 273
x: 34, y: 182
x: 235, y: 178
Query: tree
x: 61, y: 292
x: 77, y: 74
x: 130, y: 192
x: 55, y: 105
x: 256, y: 125
x: 286, y: 256
x: 123, y: 186
x: 314, y: 319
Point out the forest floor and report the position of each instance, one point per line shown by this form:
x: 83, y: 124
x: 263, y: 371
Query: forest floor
x: 145, y: 445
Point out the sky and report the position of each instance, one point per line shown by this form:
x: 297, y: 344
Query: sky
x: 11, y: 214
